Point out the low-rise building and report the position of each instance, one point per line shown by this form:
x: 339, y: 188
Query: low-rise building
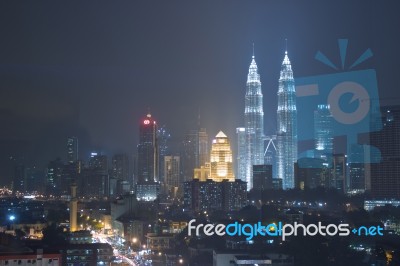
x: 87, y: 254
x: 27, y: 256
x: 241, y: 257
x: 159, y: 242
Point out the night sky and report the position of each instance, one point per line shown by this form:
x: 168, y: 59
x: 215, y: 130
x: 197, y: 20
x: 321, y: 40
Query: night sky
x: 92, y: 69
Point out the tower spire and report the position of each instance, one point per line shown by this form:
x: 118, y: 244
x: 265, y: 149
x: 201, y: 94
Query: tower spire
x: 286, y: 151
x: 253, y: 152
x: 286, y: 45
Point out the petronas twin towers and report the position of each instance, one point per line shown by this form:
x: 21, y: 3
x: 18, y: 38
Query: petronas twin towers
x: 254, y: 123
x: 286, y: 150
x: 251, y: 138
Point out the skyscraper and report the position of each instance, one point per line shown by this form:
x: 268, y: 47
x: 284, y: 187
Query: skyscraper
x: 98, y: 162
x: 163, y: 138
x: 221, y: 159
x: 120, y: 178
x: 120, y: 166
x: 54, y: 176
x: 286, y: 125
x: 194, y: 152
x: 254, y: 122
x: 323, y: 131
x: 147, y: 150
x: 19, y: 178
x: 270, y: 153
x: 204, y: 154
x: 338, y: 178
x: 359, y: 178
x: 262, y: 176
x: 241, y: 153
x: 188, y: 155
x: 35, y: 179
x: 72, y: 149
x: 95, y: 177
x: 385, y: 182
x: 172, y: 174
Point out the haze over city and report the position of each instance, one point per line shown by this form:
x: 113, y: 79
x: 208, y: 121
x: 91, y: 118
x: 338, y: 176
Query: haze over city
x: 166, y: 133
x: 95, y: 69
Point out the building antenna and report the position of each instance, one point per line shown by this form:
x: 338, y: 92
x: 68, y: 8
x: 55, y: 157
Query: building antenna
x: 253, y: 51
x: 286, y: 46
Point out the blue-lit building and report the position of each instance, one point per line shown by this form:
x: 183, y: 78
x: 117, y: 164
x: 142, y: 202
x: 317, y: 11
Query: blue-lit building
x: 286, y: 125
x: 270, y: 153
x: 253, y: 124
x: 323, y: 131
x: 339, y: 170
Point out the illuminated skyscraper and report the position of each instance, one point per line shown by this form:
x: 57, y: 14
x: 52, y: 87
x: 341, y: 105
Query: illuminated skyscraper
x: 286, y: 125
x: 270, y: 153
x: 254, y: 123
x: 221, y: 159
x: 323, y: 131
x: 148, y: 151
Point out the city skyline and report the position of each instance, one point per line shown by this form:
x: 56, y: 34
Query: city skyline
x: 94, y: 82
x: 153, y: 133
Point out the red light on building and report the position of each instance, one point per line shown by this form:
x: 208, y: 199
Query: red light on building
x: 146, y: 122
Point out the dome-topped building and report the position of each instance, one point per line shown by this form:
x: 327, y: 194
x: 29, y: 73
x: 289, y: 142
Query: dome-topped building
x: 221, y: 159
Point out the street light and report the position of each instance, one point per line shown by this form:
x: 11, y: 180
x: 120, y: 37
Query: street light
x: 134, y: 240
x: 180, y: 261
